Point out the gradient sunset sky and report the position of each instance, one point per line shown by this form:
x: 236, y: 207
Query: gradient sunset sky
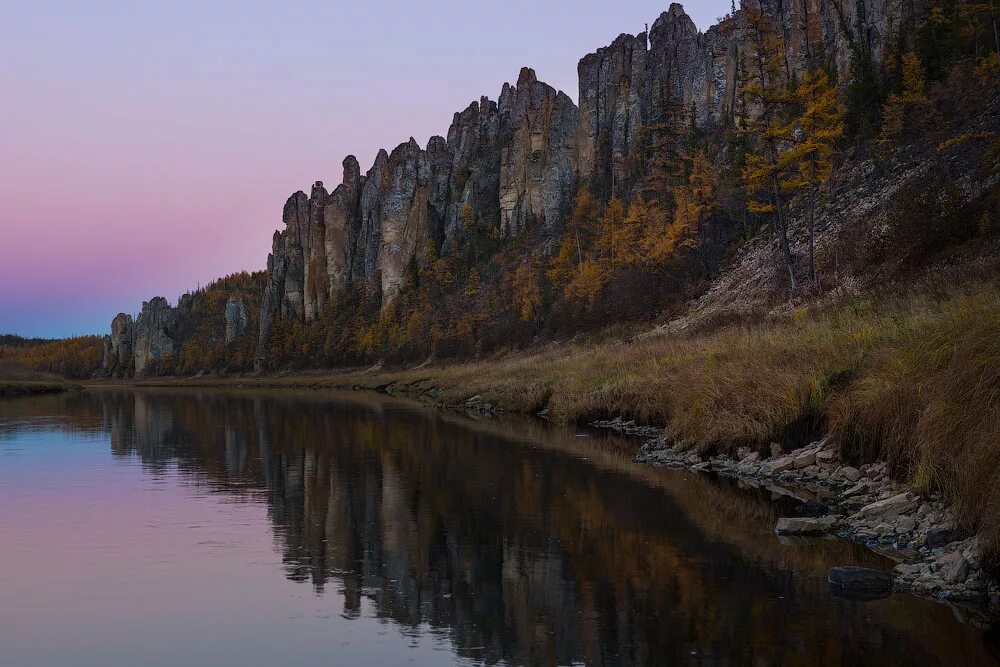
x: 147, y: 148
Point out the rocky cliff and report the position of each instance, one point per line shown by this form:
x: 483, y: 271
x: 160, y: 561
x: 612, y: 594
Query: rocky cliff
x: 134, y: 344
x: 517, y: 163
x: 118, y: 347
x: 155, y: 332
x: 212, y: 328
x: 236, y: 319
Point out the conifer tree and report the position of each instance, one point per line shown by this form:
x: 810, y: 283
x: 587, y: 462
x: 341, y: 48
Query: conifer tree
x: 766, y: 168
x: 904, y: 111
x: 817, y: 130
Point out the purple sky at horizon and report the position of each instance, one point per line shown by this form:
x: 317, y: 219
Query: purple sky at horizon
x: 148, y: 148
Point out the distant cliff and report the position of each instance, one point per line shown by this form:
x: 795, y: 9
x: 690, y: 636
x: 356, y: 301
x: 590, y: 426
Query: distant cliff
x: 208, y: 329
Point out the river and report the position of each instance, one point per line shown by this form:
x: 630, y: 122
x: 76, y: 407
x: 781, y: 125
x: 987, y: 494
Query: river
x: 165, y: 527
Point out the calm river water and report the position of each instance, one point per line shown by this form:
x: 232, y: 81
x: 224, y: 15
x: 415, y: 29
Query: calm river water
x: 210, y: 528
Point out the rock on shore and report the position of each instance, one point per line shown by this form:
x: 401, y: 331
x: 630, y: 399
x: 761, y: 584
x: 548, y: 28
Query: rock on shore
x: 936, y: 559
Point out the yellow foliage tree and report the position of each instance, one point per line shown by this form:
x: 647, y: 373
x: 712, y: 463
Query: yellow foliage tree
x: 766, y: 168
x: 582, y: 231
x: 587, y: 283
x: 818, y: 128
x: 904, y: 111
x: 527, y: 291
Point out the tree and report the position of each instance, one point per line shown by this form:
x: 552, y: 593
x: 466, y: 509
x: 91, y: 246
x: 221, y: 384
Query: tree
x: 619, y: 237
x: 904, y: 111
x: 819, y: 127
x: 766, y: 168
x: 696, y: 202
x: 527, y: 290
x: 582, y: 230
x: 662, y: 144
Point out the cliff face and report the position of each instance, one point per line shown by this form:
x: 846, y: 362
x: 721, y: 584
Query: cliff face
x: 518, y: 162
x: 212, y: 328
x: 509, y: 164
x: 236, y: 319
x: 134, y: 344
x: 118, y: 347
x: 155, y: 333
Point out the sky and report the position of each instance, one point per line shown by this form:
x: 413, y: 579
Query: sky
x: 148, y: 148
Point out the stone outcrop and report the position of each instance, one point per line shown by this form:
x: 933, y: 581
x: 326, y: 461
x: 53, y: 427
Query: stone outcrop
x: 934, y: 557
x: 519, y: 161
x: 236, y: 319
x: 538, y: 161
x: 505, y: 165
x: 155, y: 333
x: 118, y: 347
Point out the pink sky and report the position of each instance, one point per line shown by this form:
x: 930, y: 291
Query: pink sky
x: 145, y: 150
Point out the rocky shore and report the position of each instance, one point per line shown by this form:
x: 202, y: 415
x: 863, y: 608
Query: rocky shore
x: 934, y: 558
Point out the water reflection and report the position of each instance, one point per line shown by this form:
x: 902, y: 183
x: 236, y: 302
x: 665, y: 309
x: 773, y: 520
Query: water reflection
x: 524, y: 545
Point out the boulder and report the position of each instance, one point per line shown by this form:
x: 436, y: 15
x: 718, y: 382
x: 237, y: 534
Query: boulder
x: 905, y: 524
x: 850, y: 474
x: 826, y: 456
x: 802, y: 460
x: 939, y: 537
x: 889, y: 508
x: 804, y: 525
x: 954, y: 567
x: 856, y: 490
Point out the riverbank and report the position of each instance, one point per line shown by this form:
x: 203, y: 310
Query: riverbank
x: 909, y: 382
x: 921, y: 533
x: 16, y: 388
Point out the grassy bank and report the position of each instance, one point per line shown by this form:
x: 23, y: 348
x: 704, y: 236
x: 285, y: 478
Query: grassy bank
x: 914, y: 380
x: 17, y: 380
x: 14, y: 388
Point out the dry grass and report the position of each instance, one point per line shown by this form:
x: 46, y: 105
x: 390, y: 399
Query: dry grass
x: 17, y: 380
x: 931, y: 406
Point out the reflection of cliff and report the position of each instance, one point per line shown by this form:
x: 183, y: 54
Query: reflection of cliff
x: 527, y: 554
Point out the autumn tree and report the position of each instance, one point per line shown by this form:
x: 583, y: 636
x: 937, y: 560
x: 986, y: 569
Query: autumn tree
x: 619, y: 237
x: 582, y: 229
x: 906, y: 109
x: 527, y: 291
x: 662, y: 141
x: 768, y: 166
x: 817, y: 130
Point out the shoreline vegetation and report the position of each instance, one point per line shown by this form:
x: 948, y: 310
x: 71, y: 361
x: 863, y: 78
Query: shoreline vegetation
x: 19, y: 388
x: 906, y: 389
x: 17, y: 381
